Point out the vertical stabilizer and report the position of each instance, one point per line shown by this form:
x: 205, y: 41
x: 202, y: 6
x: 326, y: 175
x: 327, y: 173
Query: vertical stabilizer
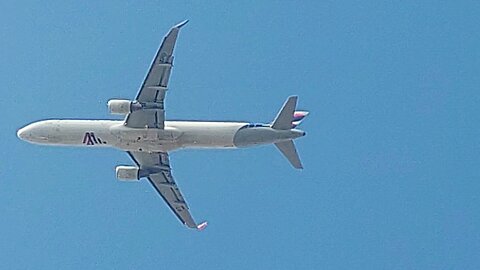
x: 290, y: 152
x: 285, y: 116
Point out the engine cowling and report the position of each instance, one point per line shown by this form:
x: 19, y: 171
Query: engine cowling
x: 119, y: 106
x: 127, y: 173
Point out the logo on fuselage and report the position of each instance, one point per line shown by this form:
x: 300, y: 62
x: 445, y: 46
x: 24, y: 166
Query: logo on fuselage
x: 91, y: 139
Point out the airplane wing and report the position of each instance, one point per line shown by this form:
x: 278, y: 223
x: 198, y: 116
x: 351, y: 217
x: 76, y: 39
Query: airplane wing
x: 152, y: 92
x: 163, y: 182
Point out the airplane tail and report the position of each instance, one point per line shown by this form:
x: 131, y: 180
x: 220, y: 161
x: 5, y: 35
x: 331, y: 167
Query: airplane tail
x: 287, y: 148
x: 284, y: 117
x: 298, y: 117
x: 287, y: 119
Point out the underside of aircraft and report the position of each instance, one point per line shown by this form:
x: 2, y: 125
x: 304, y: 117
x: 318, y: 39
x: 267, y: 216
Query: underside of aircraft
x: 148, y: 138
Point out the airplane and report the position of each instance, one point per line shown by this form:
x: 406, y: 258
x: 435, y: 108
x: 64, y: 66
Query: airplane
x: 148, y: 138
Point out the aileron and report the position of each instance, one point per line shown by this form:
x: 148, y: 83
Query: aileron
x: 164, y: 183
x: 155, y: 85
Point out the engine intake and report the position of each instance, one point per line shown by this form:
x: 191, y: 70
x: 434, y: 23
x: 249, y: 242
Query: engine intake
x: 127, y: 173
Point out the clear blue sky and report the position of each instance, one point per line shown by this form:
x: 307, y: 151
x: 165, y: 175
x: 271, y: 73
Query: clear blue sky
x: 391, y: 179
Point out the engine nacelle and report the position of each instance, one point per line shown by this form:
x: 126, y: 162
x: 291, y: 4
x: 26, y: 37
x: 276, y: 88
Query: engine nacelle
x: 127, y: 173
x: 123, y: 106
x: 120, y: 106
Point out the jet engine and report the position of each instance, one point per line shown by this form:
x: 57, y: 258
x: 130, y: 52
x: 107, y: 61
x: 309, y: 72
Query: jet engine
x: 122, y: 106
x: 127, y: 173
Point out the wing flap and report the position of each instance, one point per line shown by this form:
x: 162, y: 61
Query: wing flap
x: 155, y: 85
x: 174, y: 199
x: 163, y: 182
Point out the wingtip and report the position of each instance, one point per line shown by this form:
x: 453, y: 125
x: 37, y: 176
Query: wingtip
x: 179, y: 25
x: 202, y: 226
x: 298, y: 166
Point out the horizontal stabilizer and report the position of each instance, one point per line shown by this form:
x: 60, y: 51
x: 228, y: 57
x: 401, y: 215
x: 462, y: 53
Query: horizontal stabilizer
x: 285, y: 116
x: 287, y: 148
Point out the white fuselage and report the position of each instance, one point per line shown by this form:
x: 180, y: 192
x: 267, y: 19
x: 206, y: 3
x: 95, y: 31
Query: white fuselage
x: 175, y: 135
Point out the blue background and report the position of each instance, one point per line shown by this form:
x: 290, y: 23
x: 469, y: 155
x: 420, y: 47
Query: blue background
x: 391, y: 156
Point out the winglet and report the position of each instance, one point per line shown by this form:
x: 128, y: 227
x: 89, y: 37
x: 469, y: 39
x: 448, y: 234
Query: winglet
x: 202, y: 226
x: 298, y: 117
x: 179, y: 25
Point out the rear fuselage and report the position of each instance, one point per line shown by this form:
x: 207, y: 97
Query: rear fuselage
x: 175, y: 135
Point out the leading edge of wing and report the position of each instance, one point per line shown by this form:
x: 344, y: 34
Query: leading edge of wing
x: 172, y: 33
x: 155, y: 84
x: 180, y: 24
x: 187, y: 220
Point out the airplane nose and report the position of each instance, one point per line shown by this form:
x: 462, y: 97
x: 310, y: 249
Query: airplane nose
x: 22, y: 133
